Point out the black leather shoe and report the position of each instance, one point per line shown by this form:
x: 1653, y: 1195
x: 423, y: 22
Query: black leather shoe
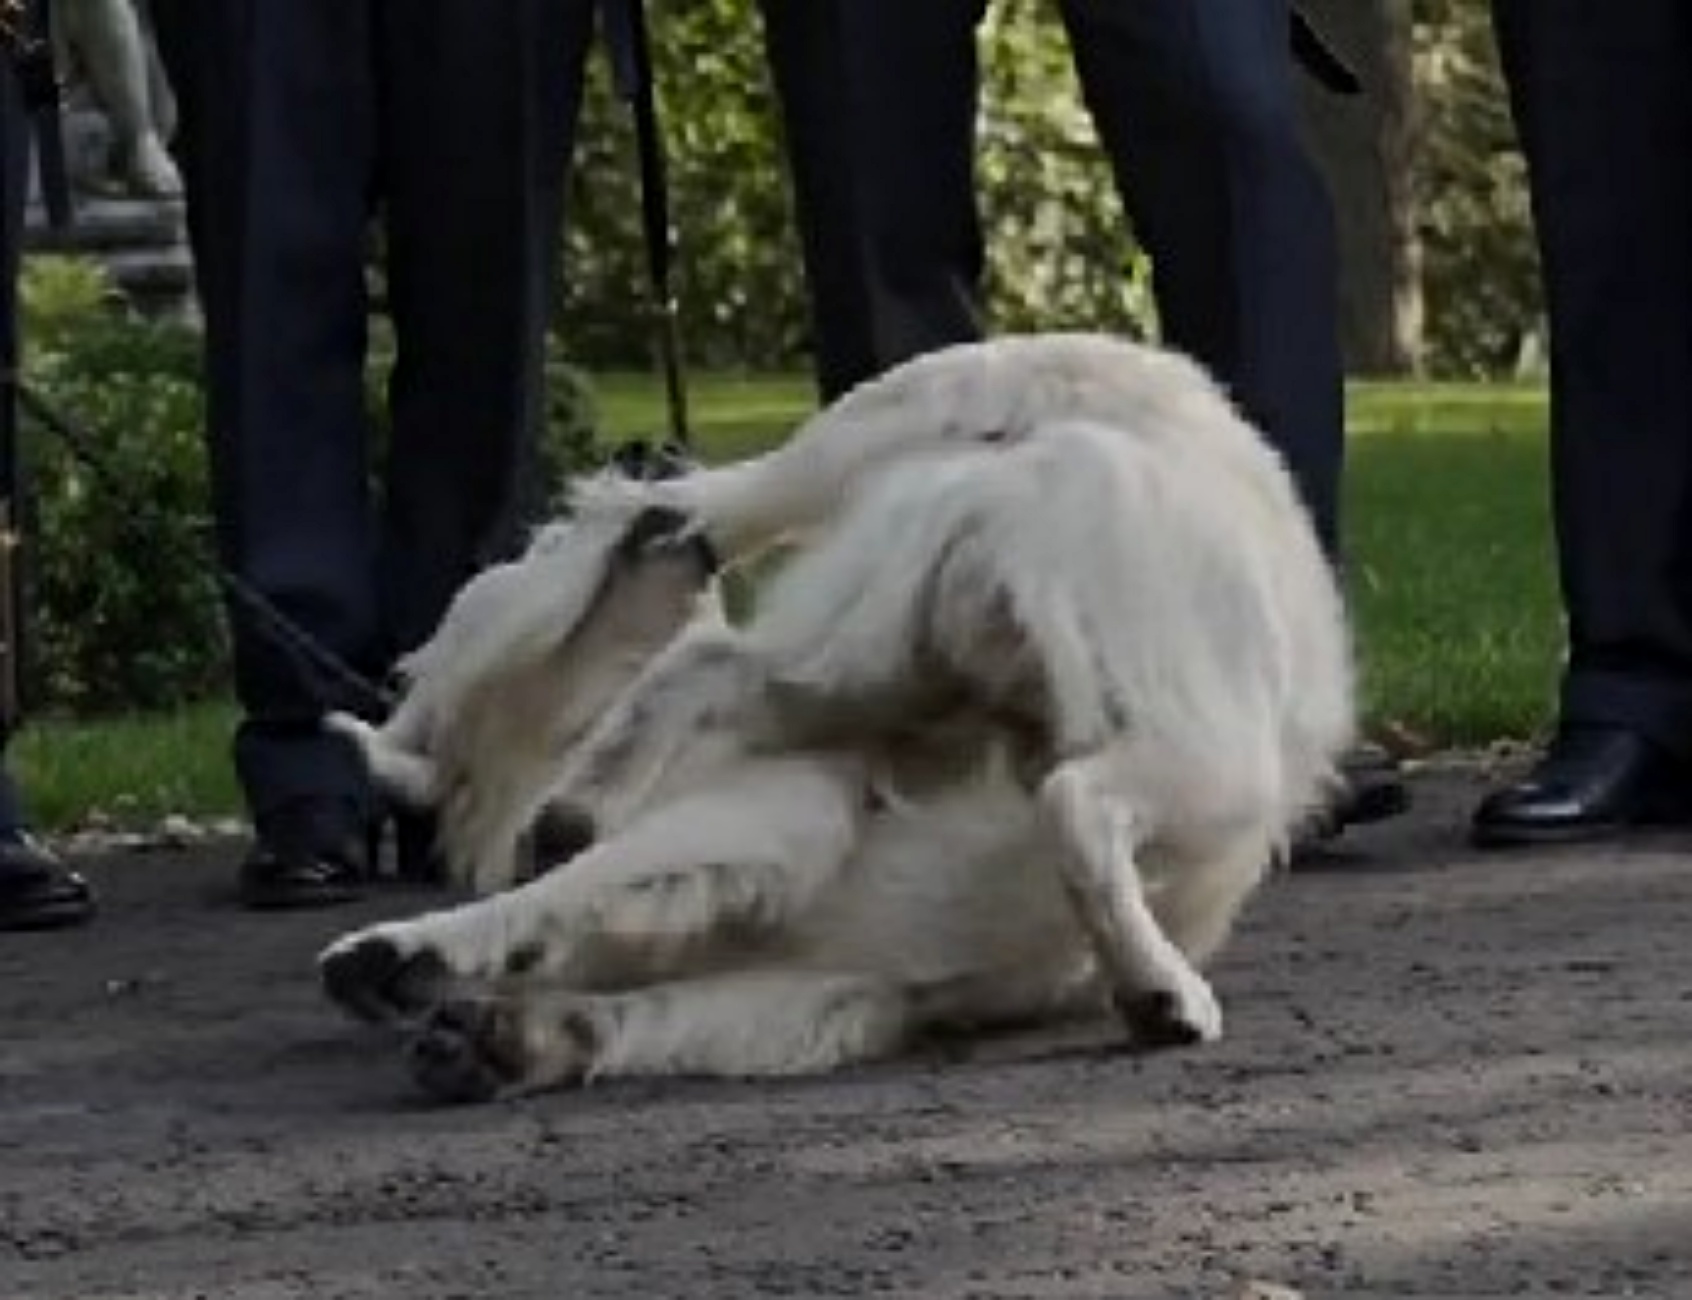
x: 1374, y: 788
x: 309, y: 853
x: 1592, y: 782
x: 37, y: 891
x: 416, y: 859
x: 1371, y: 789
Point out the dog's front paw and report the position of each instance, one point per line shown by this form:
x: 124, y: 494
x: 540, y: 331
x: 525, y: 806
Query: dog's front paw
x: 1183, y: 1015
x: 372, y: 975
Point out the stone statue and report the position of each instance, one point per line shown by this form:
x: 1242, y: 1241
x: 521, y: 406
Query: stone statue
x: 107, y: 52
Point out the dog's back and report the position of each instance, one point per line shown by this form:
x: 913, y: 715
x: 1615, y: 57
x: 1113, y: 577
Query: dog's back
x: 1089, y: 580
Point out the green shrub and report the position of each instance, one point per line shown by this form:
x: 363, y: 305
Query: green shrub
x: 570, y: 436
x: 124, y: 605
x: 123, y: 610
x: 60, y: 294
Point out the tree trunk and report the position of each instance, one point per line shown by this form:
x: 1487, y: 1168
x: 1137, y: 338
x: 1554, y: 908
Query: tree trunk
x: 1364, y: 147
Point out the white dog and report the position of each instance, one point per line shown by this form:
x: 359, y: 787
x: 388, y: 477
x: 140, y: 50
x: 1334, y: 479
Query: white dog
x: 1058, y: 669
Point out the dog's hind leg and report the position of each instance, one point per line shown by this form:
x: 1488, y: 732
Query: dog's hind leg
x: 396, y: 770
x: 990, y: 1000
x: 766, y: 1022
x: 1206, y: 886
x: 727, y: 867
x: 1098, y: 829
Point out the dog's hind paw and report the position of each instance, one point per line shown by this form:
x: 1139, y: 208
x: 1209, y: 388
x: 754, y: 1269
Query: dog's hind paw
x: 1182, y: 1017
x: 468, y: 1051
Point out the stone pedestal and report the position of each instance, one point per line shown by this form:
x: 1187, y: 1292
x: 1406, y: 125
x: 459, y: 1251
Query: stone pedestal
x: 141, y: 241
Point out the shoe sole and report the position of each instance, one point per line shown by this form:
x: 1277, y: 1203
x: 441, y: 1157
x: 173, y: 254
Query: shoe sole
x: 49, y: 916
x: 298, y: 900
x: 1365, y: 806
x: 1527, y: 837
x: 1375, y: 803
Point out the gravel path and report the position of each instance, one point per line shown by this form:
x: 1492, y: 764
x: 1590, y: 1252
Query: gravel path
x: 1444, y: 1075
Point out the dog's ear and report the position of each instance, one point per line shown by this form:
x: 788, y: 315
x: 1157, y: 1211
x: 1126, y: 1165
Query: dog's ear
x: 659, y: 530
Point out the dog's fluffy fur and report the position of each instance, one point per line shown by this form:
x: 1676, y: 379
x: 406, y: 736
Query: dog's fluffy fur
x: 1056, y: 671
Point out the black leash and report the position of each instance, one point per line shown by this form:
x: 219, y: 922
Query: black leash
x: 1320, y: 59
x: 630, y: 47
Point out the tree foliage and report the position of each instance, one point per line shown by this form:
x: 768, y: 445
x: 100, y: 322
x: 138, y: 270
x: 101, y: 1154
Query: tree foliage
x: 738, y: 270
x: 1059, y: 253
x: 1480, y: 270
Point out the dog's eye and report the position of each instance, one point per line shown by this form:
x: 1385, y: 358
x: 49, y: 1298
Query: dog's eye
x: 653, y: 529
x: 659, y: 530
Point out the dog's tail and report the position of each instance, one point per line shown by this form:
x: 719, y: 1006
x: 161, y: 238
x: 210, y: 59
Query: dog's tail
x: 968, y: 394
x: 740, y: 509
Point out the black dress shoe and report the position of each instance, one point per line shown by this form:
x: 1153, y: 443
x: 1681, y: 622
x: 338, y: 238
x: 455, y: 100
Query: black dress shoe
x: 1371, y: 789
x: 417, y: 860
x: 1592, y: 782
x: 308, y: 853
x: 37, y: 891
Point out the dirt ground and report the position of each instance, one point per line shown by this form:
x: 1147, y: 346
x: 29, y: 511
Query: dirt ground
x: 1444, y: 1075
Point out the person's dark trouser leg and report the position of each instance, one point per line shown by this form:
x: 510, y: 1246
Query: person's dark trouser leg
x: 14, y: 181
x: 11, y: 807
x: 1604, y: 105
x: 1195, y: 106
x: 803, y: 48
x: 478, y: 107
x: 278, y: 142
x: 879, y: 101
x: 477, y: 110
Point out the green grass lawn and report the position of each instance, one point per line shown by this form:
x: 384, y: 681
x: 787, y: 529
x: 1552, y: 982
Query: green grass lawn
x: 1450, y: 571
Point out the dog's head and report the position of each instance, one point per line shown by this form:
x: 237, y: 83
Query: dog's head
x: 655, y: 579
x: 530, y: 653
